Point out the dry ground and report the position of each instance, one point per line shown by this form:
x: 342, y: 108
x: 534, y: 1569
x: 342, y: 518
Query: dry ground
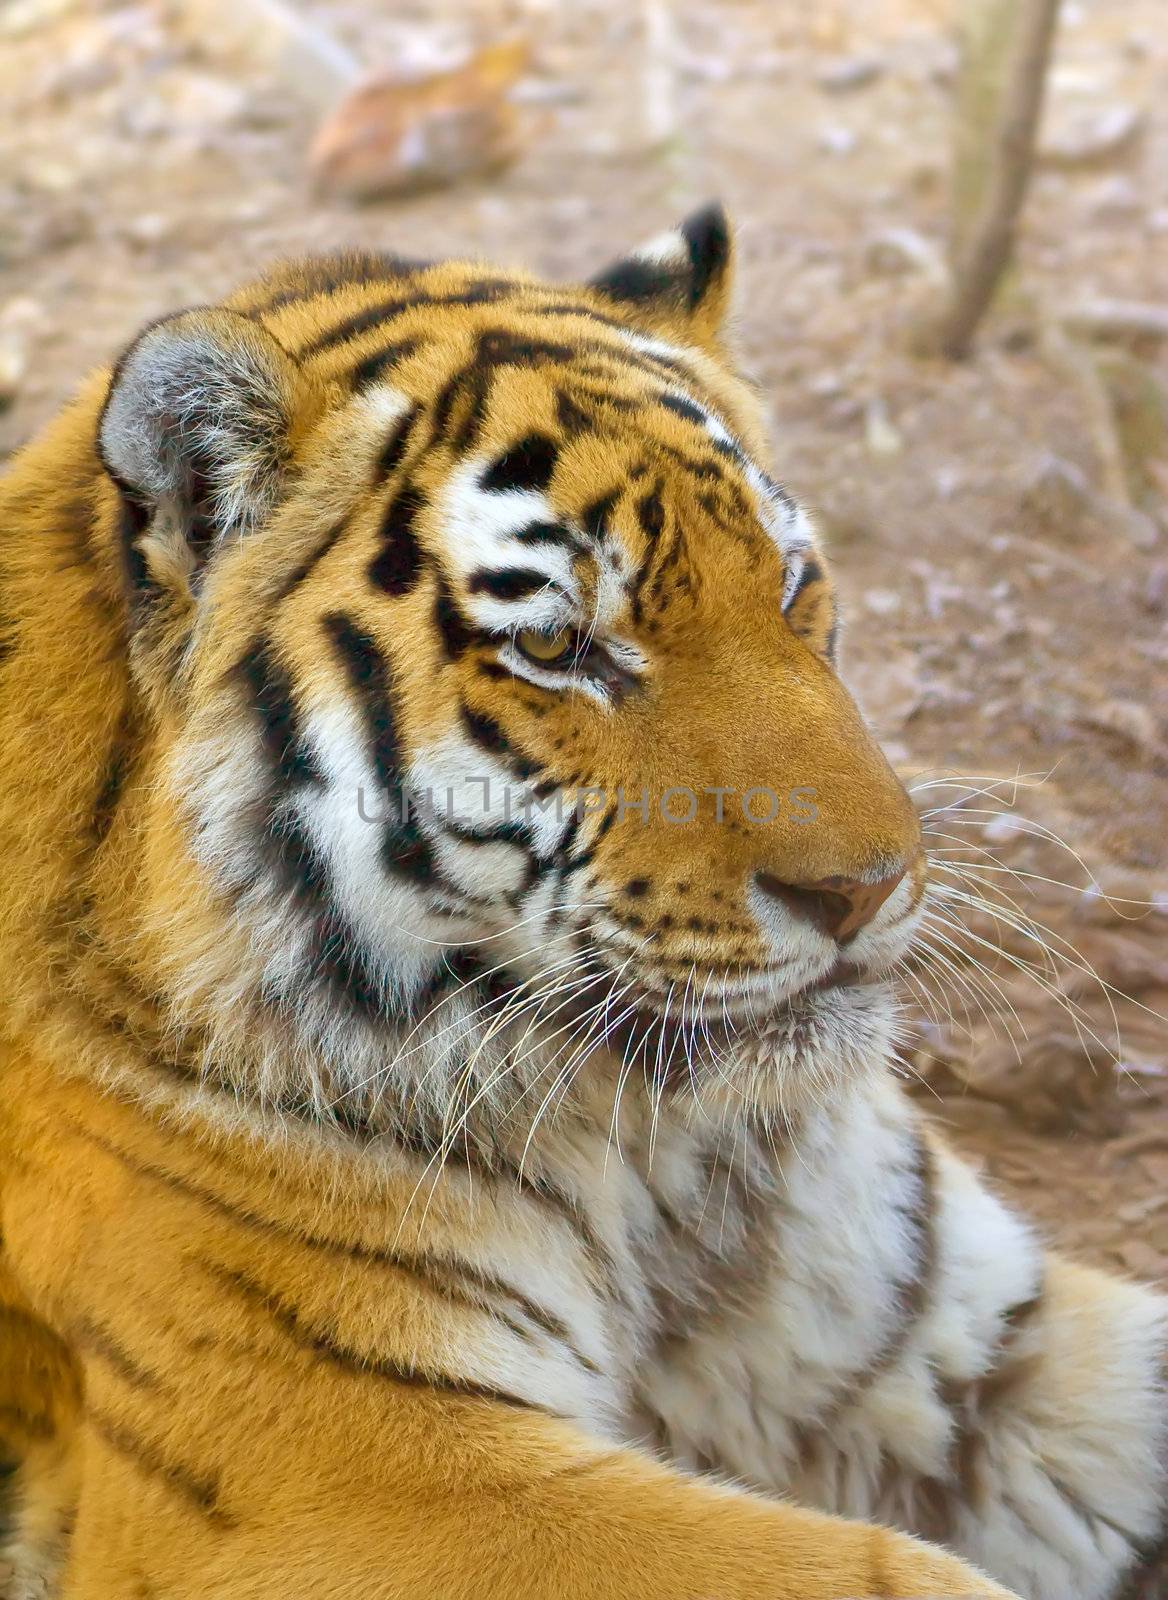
x: 1004, y: 619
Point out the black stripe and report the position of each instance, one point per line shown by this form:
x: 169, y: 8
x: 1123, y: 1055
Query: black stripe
x: 651, y: 513
x: 516, y: 833
x: 503, y: 347
x: 459, y: 410
x: 529, y: 464
x: 585, y: 857
x: 336, y: 956
x: 315, y: 1342
x: 456, y: 633
x: 396, y: 567
x: 684, y: 408
x: 368, y: 674
x: 486, y: 732
x: 544, y: 533
x: 394, y: 449
x: 595, y: 516
x: 812, y: 573
x: 374, y: 367
x: 911, y: 1295
x: 483, y: 292
x: 134, y: 520
x: 199, y: 1490
x: 89, y: 1336
x: 444, y: 405
x: 118, y: 767
x: 571, y: 416
x: 338, y: 960
x: 405, y: 851
x: 270, y: 690
x: 707, y: 471
x: 508, y: 583
x: 325, y: 275
x: 300, y: 573
x: 300, y: 869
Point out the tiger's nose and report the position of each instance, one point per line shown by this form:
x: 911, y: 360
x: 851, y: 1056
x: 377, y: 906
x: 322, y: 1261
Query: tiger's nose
x: 839, y: 907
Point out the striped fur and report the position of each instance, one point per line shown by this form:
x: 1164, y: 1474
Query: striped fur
x: 430, y: 1164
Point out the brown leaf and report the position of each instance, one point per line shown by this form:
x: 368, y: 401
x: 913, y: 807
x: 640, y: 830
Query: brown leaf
x: 394, y: 135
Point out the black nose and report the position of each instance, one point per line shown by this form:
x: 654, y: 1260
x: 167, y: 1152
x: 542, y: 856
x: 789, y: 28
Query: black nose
x: 839, y: 907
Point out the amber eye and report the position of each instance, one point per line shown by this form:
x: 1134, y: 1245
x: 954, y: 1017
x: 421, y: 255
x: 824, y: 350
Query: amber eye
x: 548, y: 649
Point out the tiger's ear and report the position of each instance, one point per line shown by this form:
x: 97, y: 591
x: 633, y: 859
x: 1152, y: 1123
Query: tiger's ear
x: 680, y: 280
x: 195, y: 434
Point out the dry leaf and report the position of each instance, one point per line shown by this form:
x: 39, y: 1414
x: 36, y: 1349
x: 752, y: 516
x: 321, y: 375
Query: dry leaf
x: 395, y: 135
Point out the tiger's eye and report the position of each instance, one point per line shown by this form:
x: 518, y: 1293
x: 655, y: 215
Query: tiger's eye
x: 548, y: 649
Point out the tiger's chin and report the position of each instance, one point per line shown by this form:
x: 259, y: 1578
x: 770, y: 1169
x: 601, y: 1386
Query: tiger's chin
x: 773, y: 1062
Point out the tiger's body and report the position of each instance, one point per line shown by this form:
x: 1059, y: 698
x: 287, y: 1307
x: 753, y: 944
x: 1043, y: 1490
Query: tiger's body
x: 499, y: 1198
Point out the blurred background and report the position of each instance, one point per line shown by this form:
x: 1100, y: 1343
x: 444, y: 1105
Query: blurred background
x: 999, y: 521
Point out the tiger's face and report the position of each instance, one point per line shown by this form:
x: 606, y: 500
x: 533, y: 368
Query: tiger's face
x: 496, y: 667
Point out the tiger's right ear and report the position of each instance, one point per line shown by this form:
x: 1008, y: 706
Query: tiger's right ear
x: 195, y: 434
x: 681, y: 280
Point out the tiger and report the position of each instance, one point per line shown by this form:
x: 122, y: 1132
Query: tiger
x: 452, y: 1140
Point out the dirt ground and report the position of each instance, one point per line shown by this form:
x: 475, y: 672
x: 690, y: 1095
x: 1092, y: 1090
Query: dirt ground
x: 1007, y: 614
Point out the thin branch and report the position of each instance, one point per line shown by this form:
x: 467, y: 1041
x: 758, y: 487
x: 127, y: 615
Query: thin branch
x: 990, y: 239
x: 1116, y: 319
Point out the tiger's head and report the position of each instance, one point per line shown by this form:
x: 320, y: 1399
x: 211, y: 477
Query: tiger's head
x: 494, y: 678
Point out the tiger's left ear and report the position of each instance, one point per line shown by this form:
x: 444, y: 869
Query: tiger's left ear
x: 195, y: 433
x: 680, y: 280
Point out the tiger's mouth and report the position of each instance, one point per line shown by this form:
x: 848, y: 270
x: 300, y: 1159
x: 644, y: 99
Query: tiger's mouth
x: 679, y: 1032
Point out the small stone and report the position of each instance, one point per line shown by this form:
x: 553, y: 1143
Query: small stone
x: 548, y: 92
x: 768, y: 64
x: 149, y: 229
x: 62, y: 226
x: 1057, y: 492
x: 21, y: 17
x: 1096, y: 139
x: 826, y: 385
x: 1137, y: 526
x: 707, y: 68
x: 944, y: 65
x: 847, y: 73
x: 13, y: 367
x: 1132, y: 722
x: 1155, y: 595
x: 54, y: 177
x: 1139, y: 46
x: 882, y: 602
x: 905, y: 250
x: 882, y: 437
x: 1116, y: 199
x: 835, y: 140
x: 1005, y: 828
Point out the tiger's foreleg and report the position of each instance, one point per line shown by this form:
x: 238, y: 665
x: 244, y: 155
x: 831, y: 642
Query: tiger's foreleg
x: 1061, y: 1446
x: 1025, y: 1422
x: 910, y: 1353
